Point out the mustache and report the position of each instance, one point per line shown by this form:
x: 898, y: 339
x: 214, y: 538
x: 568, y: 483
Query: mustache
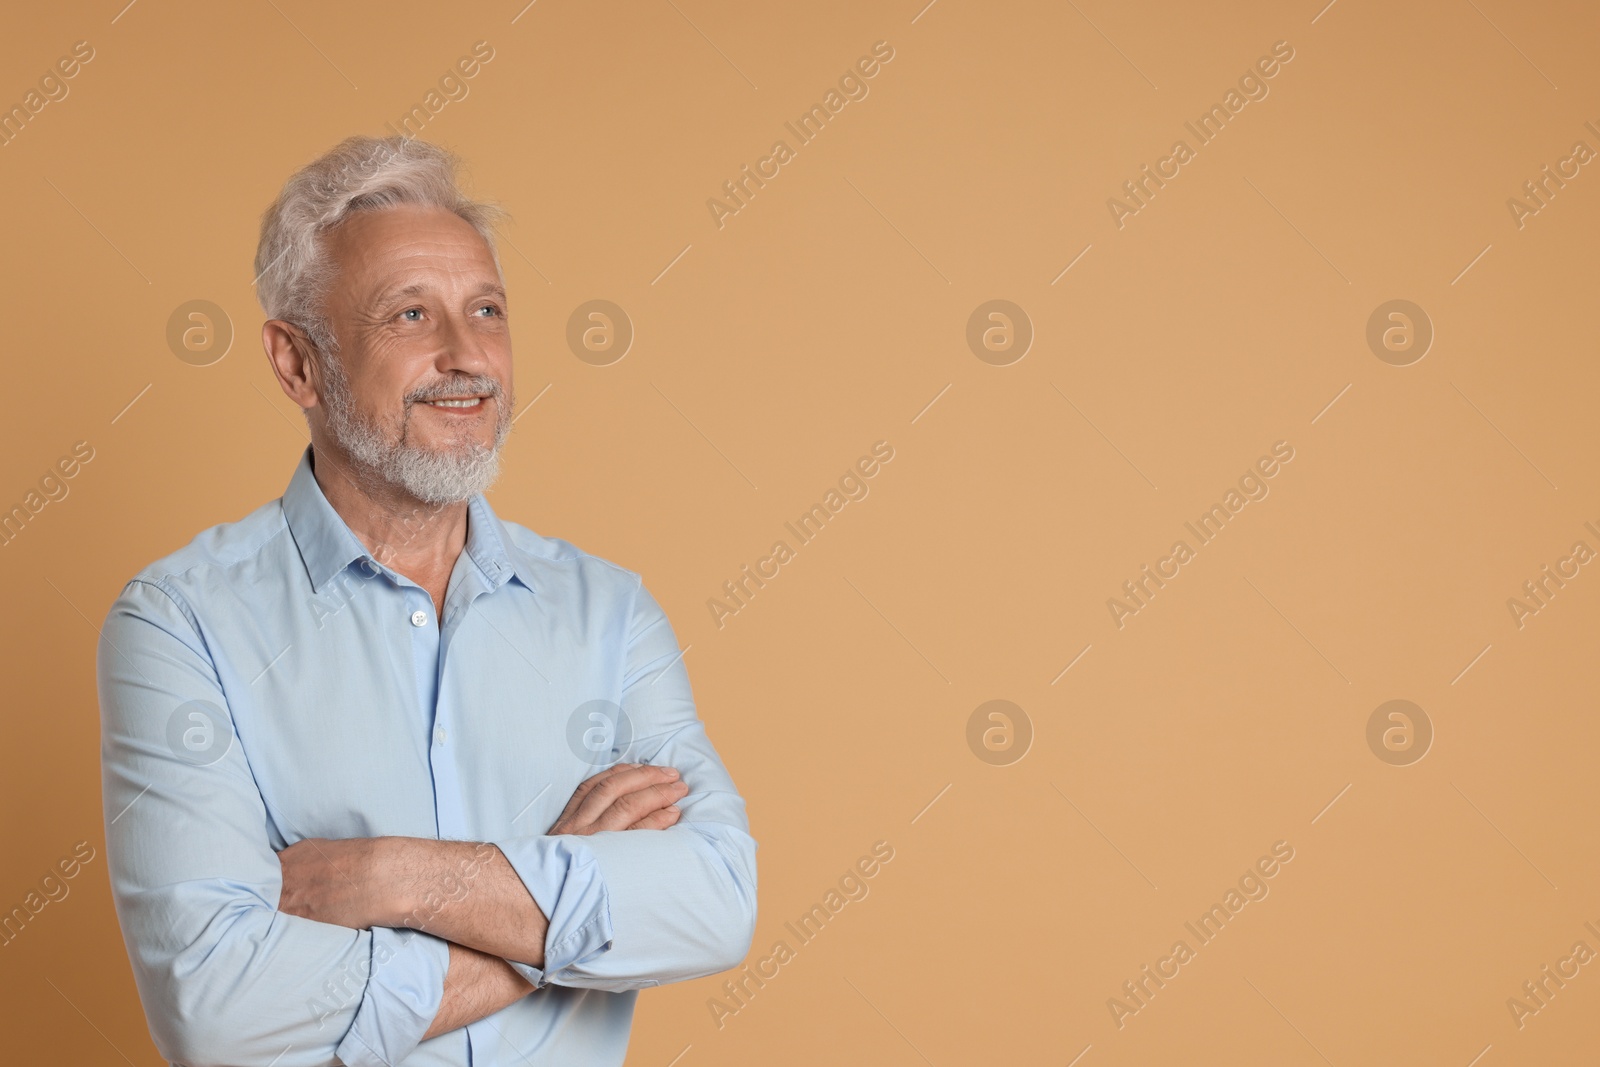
x: 459, y: 389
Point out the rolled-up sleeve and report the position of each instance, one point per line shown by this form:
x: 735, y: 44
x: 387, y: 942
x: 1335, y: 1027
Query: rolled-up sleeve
x: 637, y: 908
x: 224, y: 977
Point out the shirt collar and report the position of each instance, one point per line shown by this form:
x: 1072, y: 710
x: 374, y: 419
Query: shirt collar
x: 328, y: 546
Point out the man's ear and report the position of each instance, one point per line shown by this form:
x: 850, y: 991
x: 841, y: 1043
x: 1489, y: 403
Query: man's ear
x: 289, y: 354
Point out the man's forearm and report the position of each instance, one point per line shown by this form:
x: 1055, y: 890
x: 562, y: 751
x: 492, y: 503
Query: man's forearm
x: 465, y: 892
x: 477, y: 985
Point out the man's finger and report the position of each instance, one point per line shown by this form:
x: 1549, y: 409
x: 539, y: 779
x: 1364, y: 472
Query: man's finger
x: 631, y: 807
x: 634, y: 803
x: 659, y: 819
x: 630, y: 780
x: 588, y: 784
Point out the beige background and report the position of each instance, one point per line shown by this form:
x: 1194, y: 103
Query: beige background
x: 1229, y: 314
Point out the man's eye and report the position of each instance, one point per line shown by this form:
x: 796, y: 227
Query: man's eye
x: 490, y: 308
x: 411, y: 311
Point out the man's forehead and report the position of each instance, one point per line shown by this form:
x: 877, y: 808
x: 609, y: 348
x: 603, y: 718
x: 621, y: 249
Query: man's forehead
x: 414, y: 248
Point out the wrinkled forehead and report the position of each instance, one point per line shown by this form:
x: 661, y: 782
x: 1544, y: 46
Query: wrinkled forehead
x: 413, y: 250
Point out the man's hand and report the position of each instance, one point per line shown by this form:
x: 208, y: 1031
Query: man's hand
x: 332, y: 881
x: 628, y: 796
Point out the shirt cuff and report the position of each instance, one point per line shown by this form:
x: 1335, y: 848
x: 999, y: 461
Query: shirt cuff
x: 564, y: 879
x: 405, y: 986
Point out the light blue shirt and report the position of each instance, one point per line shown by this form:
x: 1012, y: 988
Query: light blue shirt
x: 272, y: 681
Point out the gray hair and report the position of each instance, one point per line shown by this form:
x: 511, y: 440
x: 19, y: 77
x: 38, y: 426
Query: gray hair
x: 293, y: 269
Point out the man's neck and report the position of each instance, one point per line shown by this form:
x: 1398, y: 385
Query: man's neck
x: 419, y: 540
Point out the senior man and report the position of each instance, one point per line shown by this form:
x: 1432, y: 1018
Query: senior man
x: 389, y: 779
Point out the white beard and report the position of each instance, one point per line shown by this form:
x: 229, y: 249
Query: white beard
x: 438, y: 477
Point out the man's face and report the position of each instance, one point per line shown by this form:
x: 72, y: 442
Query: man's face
x: 420, y: 392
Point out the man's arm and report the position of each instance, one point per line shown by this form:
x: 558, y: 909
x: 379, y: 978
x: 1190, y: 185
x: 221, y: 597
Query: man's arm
x: 433, y: 885
x: 465, y: 892
x: 478, y: 985
x: 630, y: 910
x: 224, y: 976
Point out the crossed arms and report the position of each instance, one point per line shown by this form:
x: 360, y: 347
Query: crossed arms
x: 465, y: 892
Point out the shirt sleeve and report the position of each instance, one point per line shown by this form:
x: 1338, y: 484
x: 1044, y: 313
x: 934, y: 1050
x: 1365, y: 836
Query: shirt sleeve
x: 224, y: 977
x: 635, y: 908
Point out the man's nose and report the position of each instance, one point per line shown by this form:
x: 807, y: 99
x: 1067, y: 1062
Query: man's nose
x: 462, y: 348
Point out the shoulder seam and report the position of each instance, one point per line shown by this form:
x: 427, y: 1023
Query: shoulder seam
x: 579, y: 554
x: 251, y: 549
x: 178, y: 602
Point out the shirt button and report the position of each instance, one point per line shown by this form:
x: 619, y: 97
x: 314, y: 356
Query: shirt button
x: 438, y: 735
x: 419, y: 618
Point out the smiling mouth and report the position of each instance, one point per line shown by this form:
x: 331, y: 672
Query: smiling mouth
x: 466, y: 403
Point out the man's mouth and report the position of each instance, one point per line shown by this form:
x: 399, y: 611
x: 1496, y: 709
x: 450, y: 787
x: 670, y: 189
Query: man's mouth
x: 467, y: 403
